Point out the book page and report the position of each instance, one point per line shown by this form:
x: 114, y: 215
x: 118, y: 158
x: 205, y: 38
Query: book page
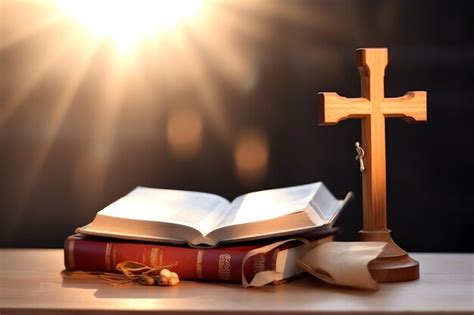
x: 195, y: 209
x: 269, y: 204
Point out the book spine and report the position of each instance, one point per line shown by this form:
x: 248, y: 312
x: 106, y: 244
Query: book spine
x: 216, y: 264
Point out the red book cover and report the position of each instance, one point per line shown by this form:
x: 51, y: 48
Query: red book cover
x: 208, y: 264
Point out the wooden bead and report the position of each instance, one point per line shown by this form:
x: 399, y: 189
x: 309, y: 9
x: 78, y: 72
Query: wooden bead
x: 173, y: 281
x: 165, y: 273
x: 174, y: 275
x: 163, y: 280
x: 146, y: 280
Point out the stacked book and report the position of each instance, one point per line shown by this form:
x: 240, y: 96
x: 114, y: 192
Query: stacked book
x: 204, y: 236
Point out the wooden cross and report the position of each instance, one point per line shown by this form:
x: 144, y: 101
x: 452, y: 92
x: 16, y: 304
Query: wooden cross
x: 372, y: 107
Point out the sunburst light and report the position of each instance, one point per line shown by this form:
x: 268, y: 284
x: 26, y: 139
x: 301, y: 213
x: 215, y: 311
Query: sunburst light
x: 127, y: 22
x: 163, y: 61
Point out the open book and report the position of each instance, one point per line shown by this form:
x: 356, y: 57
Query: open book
x: 196, y: 218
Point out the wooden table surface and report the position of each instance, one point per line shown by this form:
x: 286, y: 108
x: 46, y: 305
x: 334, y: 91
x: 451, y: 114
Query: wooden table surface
x: 31, y: 283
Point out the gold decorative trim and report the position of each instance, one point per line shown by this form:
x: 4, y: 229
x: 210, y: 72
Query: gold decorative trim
x: 108, y: 251
x: 155, y: 257
x: 70, y: 253
x: 224, y: 266
x: 199, y: 263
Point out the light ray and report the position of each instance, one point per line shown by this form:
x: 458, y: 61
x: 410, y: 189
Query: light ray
x: 15, y: 27
x: 229, y: 57
x: 109, y: 113
x: 39, y: 156
x: 64, y: 100
x: 204, y: 86
x: 38, y: 70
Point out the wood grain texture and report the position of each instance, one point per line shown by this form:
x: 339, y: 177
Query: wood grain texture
x: 372, y: 108
x: 411, y: 107
x: 31, y: 283
x: 341, y: 108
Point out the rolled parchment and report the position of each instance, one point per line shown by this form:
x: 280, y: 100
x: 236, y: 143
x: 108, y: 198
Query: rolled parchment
x: 343, y: 263
x: 339, y: 263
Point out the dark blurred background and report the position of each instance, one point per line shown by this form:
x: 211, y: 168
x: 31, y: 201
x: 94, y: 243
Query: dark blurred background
x: 227, y: 105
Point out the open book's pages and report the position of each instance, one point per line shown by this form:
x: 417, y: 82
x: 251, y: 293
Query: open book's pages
x: 175, y: 216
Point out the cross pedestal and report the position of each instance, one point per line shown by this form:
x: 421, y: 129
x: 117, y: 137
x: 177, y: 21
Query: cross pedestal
x: 372, y: 108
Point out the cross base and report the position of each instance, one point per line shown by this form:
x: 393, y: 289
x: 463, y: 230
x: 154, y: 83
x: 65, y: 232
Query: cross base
x: 393, y: 264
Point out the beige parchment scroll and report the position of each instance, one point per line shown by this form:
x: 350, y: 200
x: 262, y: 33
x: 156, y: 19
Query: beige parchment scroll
x: 343, y: 263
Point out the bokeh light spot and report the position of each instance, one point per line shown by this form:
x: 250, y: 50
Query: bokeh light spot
x: 184, y: 133
x: 251, y: 155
